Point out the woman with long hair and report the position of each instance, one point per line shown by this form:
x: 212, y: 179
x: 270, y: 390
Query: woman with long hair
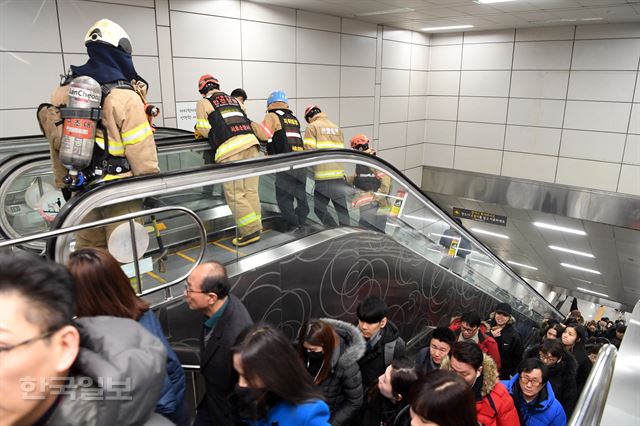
x: 394, y: 386
x: 102, y: 288
x: 330, y: 350
x: 273, y: 386
x: 573, y: 339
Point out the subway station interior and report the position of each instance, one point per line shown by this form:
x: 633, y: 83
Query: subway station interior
x: 509, y: 129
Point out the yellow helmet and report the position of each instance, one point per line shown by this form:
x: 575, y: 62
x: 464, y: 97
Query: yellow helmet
x: 107, y: 31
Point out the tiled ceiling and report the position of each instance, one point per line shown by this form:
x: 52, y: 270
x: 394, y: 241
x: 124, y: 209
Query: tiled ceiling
x: 616, y: 250
x: 418, y: 14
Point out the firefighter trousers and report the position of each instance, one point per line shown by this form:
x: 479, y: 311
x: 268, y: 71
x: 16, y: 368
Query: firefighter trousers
x: 98, y: 237
x: 242, y: 196
x: 334, y: 191
x: 290, y: 187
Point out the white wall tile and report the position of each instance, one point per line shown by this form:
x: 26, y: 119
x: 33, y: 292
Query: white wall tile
x: 480, y: 135
x: 356, y: 81
x: 393, y: 109
x: 485, y: 83
x: 165, y: 61
x: 267, y: 13
x: 634, y: 121
x: 598, y: 146
x: 228, y: 8
x: 262, y: 78
x: 350, y: 132
x: 24, y: 82
x: 419, y: 57
x: 539, y: 84
x: 351, y: 26
x: 330, y: 106
x: 358, y: 51
x: 396, y: 55
x: 441, y: 132
x: 438, y: 155
x: 414, y: 174
x: 477, y: 160
x: 419, y: 83
x: 395, y: 82
x: 588, y: 174
x: 162, y: 15
x: 529, y: 166
x: 187, y: 71
x: 625, y: 30
x: 417, y: 107
x: 141, y: 3
x: 629, y: 180
x: 445, y: 57
x: 536, y: 112
x: 317, y: 47
x: 632, y: 150
x: 356, y: 111
x: 636, y: 97
x: 602, y: 85
x: 487, y: 110
x: 189, y: 33
x: 603, y: 116
x: 492, y: 56
x: 413, y: 156
x: 491, y: 36
x: 318, y: 21
x: 536, y: 140
x: 76, y: 17
x: 416, y: 132
x: 393, y: 135
x: 317, y: 81
x: 395, y: 156
x: 258, y: 40
x: 606, y: 54
x: 390, y: 33
x: 545, y: 33
x: 444, y: 83
x: 20, y: 122
x: 29, y: 26
x: 442, y: 107
x: 542, y: 55
x: 445, y: 38
x: 420, y: 38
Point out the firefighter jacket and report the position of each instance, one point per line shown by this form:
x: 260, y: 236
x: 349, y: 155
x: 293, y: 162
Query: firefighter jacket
x: 372, y: 185
x: 321, y: 133
x: 129, y: 133
x: 281, y: 129
x: 230, y: 131
x: 203, y: 109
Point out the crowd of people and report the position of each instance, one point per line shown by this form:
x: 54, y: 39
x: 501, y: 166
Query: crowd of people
x: 77, y: 346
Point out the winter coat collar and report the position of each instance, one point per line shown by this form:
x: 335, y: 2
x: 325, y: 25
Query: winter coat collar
x: 489, y: 373
x: 354, y: 344
x: 278, y: 105
x: 543, y: 401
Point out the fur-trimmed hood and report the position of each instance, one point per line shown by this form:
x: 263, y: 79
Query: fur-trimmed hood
x: 492, y: 319
x: 354, y: 344
x: 489, y: 373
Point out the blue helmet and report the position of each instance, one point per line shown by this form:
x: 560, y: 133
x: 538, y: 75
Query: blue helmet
x: 277, y: 96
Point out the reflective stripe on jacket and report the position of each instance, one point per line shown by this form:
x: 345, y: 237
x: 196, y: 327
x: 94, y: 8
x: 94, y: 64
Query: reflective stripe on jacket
x: 321, y: 133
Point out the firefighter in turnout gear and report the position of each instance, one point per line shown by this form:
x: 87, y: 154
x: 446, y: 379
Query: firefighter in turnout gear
x: 321, y: 133
x: 230, y: 134
x: 281, y: 130
x: 124, y: 144
x: 372, y: 186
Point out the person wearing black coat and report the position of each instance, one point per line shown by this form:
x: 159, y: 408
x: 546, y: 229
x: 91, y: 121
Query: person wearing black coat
x: 504, y: 332
x: 573, y: 340
x: 563, y: 369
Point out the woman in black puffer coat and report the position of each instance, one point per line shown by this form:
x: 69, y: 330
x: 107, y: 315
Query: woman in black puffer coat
x: 330, y: 350
x: 573, y: 340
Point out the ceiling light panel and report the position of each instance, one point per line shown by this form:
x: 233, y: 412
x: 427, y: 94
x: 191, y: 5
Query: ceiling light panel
x: 576, y: 252
x: 493, y: 234
x: 450, y: 27
x: 580, y: 268
x: 522, y: 265
x: 591, y: 292
x: 559, y: 228
x: 384, y: 12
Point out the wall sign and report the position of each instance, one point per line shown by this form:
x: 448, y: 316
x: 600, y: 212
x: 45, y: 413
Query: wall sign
x: 485, y: 217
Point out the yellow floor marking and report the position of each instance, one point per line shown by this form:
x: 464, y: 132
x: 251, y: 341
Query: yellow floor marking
x: 184, y: 256
x: 156, y: 277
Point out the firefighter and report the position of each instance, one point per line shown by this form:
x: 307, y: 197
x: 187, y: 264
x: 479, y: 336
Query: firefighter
x: 330, y: 183
x: 372, y: 186
x: 281, y: 130
x: 221, y: 118
x: 129, y: 150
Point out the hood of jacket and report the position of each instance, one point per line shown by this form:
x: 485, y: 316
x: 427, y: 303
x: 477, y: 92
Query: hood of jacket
x: 354, y: 343
x: 456, y: 322
x: 492, y: 320
x: 127, y: 360
x: 567, y: 368
x: 318, y: 116
x: 541, y: 404
x: 278, y: 105
x: 489, y: 373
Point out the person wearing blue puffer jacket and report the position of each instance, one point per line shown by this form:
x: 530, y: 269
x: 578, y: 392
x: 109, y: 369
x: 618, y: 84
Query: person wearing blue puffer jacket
x: 273, y: 386
x: 533, y: 395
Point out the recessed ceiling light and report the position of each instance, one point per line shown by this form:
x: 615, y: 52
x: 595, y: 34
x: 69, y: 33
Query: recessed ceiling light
x: 473, y: 259
x: 491, y: 1
x: 450, y: 27
x: 580, y: 268
x: 384, y: 12
x: 591, y: 291
x: 493, y: 234
x: 559, y: 228
x: 566, y: 250
x: 522, y: 265
x: 426, y: 219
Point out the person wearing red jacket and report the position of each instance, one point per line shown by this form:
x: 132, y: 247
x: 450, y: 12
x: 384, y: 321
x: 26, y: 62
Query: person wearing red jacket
x: 494, y: 404
x: 469, y: 328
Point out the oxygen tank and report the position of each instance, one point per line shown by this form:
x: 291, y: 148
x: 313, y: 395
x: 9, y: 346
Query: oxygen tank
x: 79, y: 132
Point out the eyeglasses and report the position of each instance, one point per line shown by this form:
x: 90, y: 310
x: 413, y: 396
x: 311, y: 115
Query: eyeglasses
x: 526, y: 380
x: 188, y: 290
x: 547, y: 358
x: 468, y: 329
x: 41, y: 336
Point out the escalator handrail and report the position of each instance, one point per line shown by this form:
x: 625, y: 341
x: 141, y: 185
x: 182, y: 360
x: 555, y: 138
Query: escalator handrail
x: 216, y: 173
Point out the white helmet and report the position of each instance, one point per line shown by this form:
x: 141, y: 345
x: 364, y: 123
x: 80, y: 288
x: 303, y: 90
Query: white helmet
x: 107, y: 31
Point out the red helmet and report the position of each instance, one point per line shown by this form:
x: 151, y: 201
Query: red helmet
x: 310, y: 111
x: 205, y: 80
x: 359, y: 141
